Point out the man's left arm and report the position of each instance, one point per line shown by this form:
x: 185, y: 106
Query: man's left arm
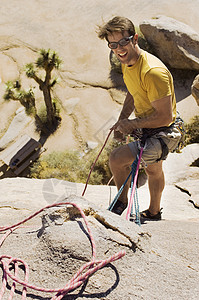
x: 161, y: 116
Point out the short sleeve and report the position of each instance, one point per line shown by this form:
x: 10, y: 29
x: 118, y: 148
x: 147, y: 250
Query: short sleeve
x: 157, y: 82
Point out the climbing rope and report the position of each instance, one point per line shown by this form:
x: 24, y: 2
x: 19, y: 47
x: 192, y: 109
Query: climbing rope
x: 134, y: 173
x: 96, y: 161
x: 77, y: 280
x: 121, y: 189
x: 133, y: 195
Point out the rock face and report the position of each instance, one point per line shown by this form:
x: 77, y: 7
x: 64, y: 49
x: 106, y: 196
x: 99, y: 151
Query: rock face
x: 18, y: 124
x: 90, y: 103
x: 160, y: 256
x: 175, y: 43
x: 56, y: 248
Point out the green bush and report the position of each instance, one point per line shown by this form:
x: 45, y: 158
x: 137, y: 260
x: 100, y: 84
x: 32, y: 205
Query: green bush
x: 42, y: 113
x: 69, y: 165
x: 192, y: 131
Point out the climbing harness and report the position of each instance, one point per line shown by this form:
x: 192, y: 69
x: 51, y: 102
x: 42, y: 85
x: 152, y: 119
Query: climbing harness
x: 78, y: 279
x: 145, y: 133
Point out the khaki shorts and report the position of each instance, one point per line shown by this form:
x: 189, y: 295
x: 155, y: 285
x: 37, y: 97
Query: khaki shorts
x: 152, y: 149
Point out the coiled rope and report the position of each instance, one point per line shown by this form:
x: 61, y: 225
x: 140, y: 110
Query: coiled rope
x: 76, y: 280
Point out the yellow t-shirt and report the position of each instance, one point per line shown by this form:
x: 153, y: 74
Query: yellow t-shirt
x: 148, y: 80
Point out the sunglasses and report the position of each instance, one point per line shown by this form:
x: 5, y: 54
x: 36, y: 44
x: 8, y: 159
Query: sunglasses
x: 123, y: 42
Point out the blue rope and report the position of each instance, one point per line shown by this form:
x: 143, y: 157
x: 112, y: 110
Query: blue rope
x: 136, y: 204
x: 119, y: 193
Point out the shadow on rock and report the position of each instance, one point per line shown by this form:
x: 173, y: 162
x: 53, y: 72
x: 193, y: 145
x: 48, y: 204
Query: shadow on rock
x: 99, y: 295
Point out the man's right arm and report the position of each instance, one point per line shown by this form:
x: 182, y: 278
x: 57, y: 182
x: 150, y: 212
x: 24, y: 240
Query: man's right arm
x: 127, y: 109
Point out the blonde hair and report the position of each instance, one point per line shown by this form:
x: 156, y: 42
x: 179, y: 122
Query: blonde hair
x: 119, y: 24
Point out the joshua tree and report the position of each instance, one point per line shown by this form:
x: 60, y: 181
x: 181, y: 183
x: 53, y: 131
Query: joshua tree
x: 47, y: 61
x: 26, y: 98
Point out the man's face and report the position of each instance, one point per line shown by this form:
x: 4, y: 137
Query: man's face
x: 126, y: 54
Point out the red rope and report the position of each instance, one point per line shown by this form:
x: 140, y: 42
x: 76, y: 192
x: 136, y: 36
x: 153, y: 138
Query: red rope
x: 95, y: 162
x: 76, y: 280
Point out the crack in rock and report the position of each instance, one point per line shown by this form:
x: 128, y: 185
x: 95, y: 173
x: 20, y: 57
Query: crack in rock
x: 12, y: 207
x: 136, y: 244
x: 138, y: 238
x: 183, y: 189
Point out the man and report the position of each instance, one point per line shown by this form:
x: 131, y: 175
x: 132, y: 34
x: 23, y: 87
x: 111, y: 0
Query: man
x: 151, y: 97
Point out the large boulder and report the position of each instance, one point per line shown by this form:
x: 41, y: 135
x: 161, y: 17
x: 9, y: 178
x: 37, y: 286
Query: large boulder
x: 195, y: 89
x: 56, y: 249
x: 174, y: 42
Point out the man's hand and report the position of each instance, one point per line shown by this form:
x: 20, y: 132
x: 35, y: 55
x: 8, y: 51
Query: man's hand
x: 120, y: 137
x: 122, y: 128
x: 125, y: 126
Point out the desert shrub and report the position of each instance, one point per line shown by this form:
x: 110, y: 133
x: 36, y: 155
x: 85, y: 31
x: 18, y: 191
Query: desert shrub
x: 101, y: 172
x: 115, y: 63
x: 42, y: 113
x: 142, y: 42
x: 192, y: 131
x: 60, y: 165
x: 69, y: 165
